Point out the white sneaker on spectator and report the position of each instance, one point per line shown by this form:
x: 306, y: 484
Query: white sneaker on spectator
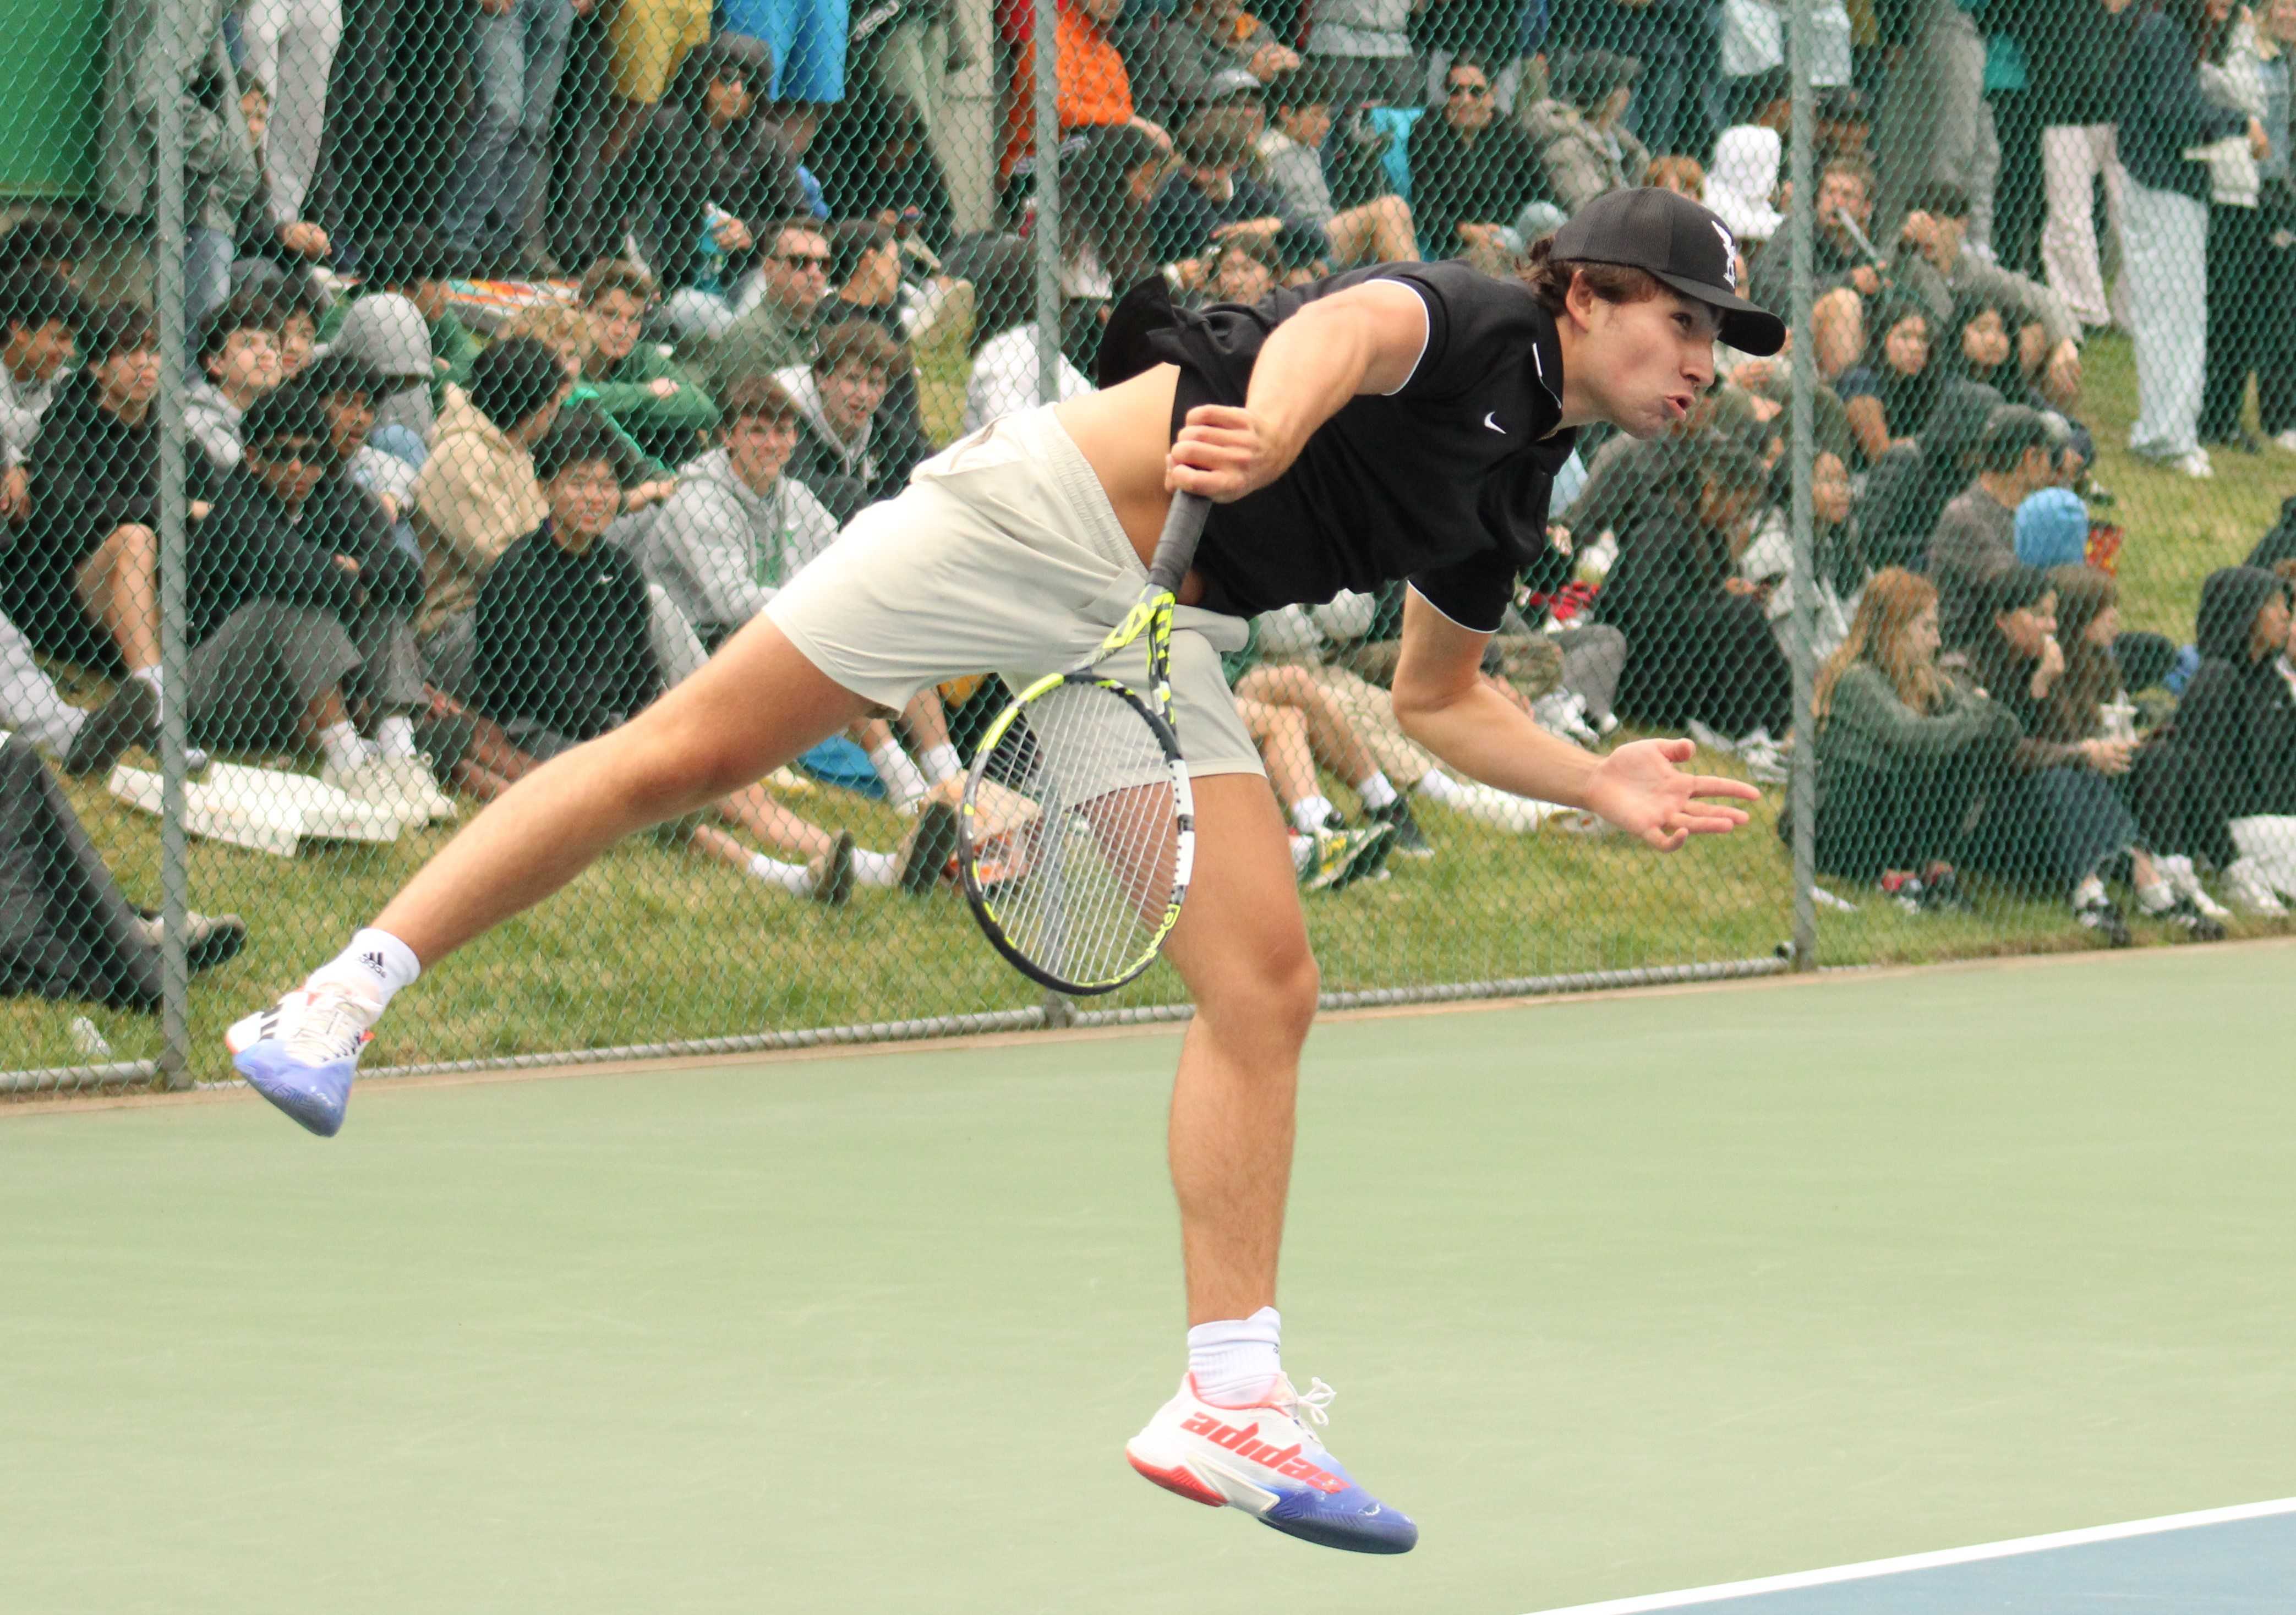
x: 2250, y: 892
x: 1765, y: 759
x: 1563, y: 713
x: 2194, y: 465
x: 2185, y: 881
x: 2286, y: 439
x: 1710, y: 739
x: 402, y: 784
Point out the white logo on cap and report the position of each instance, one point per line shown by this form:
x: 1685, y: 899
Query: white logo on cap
x: 1729, y: 253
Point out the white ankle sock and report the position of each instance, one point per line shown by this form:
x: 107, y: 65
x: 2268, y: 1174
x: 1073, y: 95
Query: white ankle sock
x: 1378, y: 790
x: 2156, y: 897
x: 395, y: 737
x: 1437, y: 786
x: 903, y: 784
x: 1311, y: 814
x: 1303, y: 847
x: 1234, y: 1360
x: 150, y: 676
x: 343, y: 746
x: 377, y: 960
x: 940, y: 763
x: 794, y: 878
x: 876, y: 868
x: 2091, y: 890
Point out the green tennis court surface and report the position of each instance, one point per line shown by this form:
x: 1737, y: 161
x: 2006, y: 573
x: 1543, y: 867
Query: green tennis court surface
x: 1620, y: 1295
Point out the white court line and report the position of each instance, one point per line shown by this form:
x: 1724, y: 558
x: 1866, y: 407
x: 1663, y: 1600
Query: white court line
x: 1938, y: 1560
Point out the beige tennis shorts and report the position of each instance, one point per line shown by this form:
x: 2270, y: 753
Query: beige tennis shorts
x: 1004, y: 557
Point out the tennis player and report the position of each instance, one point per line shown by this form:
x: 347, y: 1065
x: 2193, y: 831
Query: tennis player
x: 1399, y: 421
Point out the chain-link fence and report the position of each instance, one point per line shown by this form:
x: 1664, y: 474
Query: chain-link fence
x: 397, y: 393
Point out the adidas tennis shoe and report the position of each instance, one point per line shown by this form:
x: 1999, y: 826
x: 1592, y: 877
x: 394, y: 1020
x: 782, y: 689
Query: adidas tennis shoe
x: 1263, y: 1460
x: 302, y: 1052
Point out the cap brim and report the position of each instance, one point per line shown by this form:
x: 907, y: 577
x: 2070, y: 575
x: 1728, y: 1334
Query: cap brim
x: 1746, y: 326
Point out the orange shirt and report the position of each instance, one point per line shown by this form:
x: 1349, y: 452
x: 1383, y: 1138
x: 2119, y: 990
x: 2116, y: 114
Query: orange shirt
x: 1094, y: 87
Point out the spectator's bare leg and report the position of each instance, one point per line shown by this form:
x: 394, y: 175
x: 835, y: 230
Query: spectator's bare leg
x: 757, y: 812
x: 1331, y: 737
x: 758, y: 704
x: 1837, y: 323
x: 1379, y: 231
x: 926, y: 723
x: 1242, y: 950
x: 1280, y: 734
x: 119, y: 586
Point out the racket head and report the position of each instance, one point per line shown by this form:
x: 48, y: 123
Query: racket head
x: 1076, y: 834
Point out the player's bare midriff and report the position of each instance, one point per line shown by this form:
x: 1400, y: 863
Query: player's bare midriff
x: 1124, y: 433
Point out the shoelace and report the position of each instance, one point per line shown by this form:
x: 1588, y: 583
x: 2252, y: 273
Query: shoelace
x: 1314, y: 1401
x: 334, y: 1024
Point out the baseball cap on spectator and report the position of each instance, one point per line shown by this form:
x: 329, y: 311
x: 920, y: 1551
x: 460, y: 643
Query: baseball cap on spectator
x: 1230, y: 82
x: 2051, y: 528
x: 388, y: 332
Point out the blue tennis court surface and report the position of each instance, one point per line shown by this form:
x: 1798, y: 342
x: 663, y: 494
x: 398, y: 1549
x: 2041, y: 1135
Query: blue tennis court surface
x: 2222, y: 1561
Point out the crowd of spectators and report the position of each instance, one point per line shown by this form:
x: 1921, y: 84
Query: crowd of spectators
x: 432, y: 543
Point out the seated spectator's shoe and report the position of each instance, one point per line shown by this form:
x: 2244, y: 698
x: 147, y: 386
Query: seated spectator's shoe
x: 2186, y: 916
x: 404, y: 784
x: 2185, y: 881
x: 2194, y: 465
x: 832, y: 873
x: 1341, y: 857
x: 208, y: 939
x: 2285, y: 439
x: 302, y: 1052
x: 131, y: 718
x: 1765, y: 760
x: 1263, y: 1460
x: 926, y: 851
x: 1942, y: 892
x: 1410, y: 841
x: 2101, y: 916
x: 2250, y: 892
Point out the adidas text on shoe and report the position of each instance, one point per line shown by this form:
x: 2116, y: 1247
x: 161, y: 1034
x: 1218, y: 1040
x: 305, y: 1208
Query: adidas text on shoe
x: 1265, y: 1460
x: 302, y: 1052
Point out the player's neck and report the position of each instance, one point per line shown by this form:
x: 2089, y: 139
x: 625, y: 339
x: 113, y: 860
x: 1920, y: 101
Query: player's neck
x: 1580, y: 406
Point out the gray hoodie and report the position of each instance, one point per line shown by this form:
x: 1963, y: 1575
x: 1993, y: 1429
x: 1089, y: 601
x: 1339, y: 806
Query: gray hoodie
x: 212, y: 422
x: 721, y: 550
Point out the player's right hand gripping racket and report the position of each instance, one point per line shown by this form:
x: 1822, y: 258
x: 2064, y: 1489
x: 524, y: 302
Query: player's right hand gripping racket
x: 1078, y: 828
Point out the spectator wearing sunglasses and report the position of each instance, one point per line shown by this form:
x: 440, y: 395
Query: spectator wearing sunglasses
x: 301, y: 612
x: 1472, y: 171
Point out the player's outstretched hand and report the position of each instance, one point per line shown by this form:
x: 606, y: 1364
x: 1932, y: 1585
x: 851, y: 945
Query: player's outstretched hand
x: 1224, y: 452
x: 1639, y: 789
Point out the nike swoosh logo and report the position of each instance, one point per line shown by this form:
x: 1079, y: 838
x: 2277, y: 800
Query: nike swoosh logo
x: 1491, y: 420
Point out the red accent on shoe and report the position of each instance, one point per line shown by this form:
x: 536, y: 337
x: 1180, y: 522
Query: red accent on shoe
x: 1179, y: 1479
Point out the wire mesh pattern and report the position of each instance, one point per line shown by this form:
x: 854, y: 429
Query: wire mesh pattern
x: 397, y: 395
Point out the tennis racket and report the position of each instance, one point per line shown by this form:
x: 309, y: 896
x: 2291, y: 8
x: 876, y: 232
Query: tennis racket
x: 1077, y: 830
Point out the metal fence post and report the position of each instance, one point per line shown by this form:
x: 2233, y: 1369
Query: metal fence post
x: 1056, y: 1008
x: 1802, y: 791
x: 170, y: 236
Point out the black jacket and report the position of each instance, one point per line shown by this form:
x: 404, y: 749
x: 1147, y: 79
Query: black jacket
x: 2234, y: 733
x: 678, y: 167
x: 1909, y: 486
x: 90, y: 472
x: 2157, y: 102
x: 561, y: 639
x: 1452, y: 183
x: 249, y: 549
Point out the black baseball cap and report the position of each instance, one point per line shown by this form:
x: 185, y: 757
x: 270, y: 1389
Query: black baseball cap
x: 1680, y: 242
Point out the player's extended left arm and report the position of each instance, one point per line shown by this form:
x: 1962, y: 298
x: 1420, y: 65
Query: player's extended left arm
x: 1442, y: 702
x: 1366, y: 340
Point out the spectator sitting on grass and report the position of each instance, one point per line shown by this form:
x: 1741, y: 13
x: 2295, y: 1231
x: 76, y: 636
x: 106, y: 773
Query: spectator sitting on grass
x: 1902, y: 751
x: 414, y: 265
x: 563, y: 652
x: 1939, y: 271
x: 1472, y: 171
x: 1907, y: 489
x: 2052, y: 814
x: 1889, y: 399
x: 1209, y: 197
x: 1291, y: 162
x: 301, y: 608
x: 348, y: 389
x: 839, y: 397
x: 1584, y: 148
x: 39, y: 312
x: 2232, y: 752
x: 865, y: 277
x: 637, y: 385
x: 781, y: 325
x: 239, y: 363
x: 738, y: 529
x: 298, y: 308
x: 387, y: 332
x: 1244, y: 269
x: 477, y: 494
x: 1976, y: 534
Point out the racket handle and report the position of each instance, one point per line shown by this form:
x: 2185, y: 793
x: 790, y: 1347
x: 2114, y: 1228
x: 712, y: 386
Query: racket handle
x: 1176, y: 547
